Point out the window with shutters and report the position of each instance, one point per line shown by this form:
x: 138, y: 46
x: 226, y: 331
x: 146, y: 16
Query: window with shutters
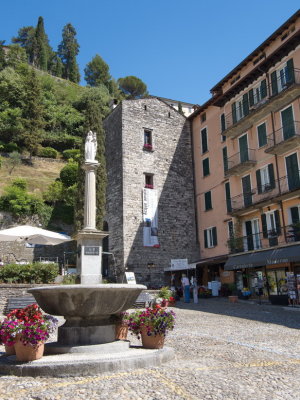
x: 207, y: 200
x: 210, y: 237
x: 228, y: 197
x: 282, y: 77
x: 149, y: 181
x: 262, y: 134
x: 205, y: 166
x: 294, y: 215
x: 225, y: 159
x: 271, y: 226
x: 265, y: 179
x: 204, y: 140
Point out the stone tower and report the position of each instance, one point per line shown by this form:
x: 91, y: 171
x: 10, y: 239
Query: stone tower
x: 150, y: 192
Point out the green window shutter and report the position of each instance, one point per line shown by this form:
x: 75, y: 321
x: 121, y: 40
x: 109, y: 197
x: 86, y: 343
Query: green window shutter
x: 228, y: 197
x: 204, y: 140
x: 208, y: 203
x: 223, y: 124
x: 263, y: 89
x: 205, y: 165
x: 205, y: 239
x: 277, y: 222
x: 264, y: 225
x: 245, y: 104
x: 233, y: 110
x: 214, y: 235
x: 225, y: 159
x: 271, y: 175
x: 258, y: 181
x: 251, y: 97
x: 262, y: 135
x: 295, y: 215
x: 274, y: 83
x: 290, y: 78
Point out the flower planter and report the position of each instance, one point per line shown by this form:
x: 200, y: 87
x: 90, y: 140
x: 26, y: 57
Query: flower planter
x: 28, y: 352
x: 152, y: 342
x: 121, y: 331
x: 10, y: 350
x: 233, y: 299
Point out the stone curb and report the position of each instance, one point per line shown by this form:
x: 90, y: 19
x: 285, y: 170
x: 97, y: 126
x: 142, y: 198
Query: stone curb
x: 66, y: 365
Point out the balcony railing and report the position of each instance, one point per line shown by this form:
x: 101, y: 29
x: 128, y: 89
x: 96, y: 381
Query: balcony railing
x: 284, y: 138
x: 260, y: 97
x: 265, y: 192
x: 260, y: 240
x: 240, y: 162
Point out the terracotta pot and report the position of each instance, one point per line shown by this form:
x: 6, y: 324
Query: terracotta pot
x: 10, y: 350
x: 152, y: 342
x: 28, y: 352
x: 164, y: 303
x: 121, y: 332
x: 233, y: 299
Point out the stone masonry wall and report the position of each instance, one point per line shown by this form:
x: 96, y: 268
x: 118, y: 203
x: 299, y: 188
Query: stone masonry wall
x: 171, y: 164
x: 114, y: 197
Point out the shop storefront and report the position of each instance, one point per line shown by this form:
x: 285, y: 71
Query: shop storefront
x: 275, y: 272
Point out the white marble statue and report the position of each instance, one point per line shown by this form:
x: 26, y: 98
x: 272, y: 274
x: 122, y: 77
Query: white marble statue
x: 90, y: 146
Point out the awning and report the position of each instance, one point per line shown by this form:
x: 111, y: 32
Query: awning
x: 264, y: 257
x: 181, y: 268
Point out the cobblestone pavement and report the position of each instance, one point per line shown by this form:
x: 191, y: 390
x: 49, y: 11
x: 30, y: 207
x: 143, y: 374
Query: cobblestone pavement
x: 223, y: 351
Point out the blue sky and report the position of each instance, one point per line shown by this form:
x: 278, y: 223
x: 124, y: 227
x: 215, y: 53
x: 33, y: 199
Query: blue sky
x: 180, y: 49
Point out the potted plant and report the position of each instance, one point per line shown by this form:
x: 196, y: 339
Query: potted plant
x: 163, y: 296
x: 25, y: 331
x: 152, y: 325
x: 122, y: 323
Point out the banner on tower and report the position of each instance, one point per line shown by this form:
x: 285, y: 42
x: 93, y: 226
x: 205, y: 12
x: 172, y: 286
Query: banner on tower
x: 150, y: 218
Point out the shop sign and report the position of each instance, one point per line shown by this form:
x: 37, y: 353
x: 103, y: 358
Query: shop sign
x: 179, y: 264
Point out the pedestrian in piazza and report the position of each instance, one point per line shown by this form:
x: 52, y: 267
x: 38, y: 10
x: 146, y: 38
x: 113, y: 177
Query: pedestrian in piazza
x: 186, y: 288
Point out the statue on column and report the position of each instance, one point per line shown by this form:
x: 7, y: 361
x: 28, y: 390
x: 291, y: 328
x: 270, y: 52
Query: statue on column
x: 91, y: 146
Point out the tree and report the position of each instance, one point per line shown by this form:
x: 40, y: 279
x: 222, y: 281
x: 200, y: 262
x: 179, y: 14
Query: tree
x: 2, y: 56
x: 32, y: 113
x: 180, y: 110
x: 68, y: 174
x: 15, y: 56
x: 133, y: 87
x: 42, y: 50
x: 97, y: 72
x: 67, y: 51
x: 26, y: 39
x: 55, y: 66
x: 13, y: 161
x: 93, y: 122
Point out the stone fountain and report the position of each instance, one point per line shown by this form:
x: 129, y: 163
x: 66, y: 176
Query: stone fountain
x: 86, y: 341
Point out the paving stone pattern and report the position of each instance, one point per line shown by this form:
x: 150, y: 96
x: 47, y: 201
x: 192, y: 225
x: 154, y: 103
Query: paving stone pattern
x: 223, y: 351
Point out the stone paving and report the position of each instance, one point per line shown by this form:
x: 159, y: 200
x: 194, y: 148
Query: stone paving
x: 224, y: 351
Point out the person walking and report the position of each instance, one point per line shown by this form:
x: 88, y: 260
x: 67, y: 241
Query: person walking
x: 186, y: 288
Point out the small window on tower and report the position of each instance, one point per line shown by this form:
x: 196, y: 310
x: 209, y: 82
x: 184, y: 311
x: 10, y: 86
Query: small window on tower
x: 147, y: 139
x: 149, y: 181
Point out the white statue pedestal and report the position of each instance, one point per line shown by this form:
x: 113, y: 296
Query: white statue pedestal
x: 89, y: 258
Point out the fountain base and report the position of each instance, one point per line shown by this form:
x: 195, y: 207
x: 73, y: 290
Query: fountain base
x: 86, y: 335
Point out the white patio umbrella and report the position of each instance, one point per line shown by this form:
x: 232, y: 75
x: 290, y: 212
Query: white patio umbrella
x: 32, y: 234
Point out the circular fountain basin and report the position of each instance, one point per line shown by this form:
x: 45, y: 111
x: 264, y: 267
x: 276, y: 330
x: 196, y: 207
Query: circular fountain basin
x: 89, y: 310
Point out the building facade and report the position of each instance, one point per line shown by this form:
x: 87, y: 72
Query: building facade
x: 247, y: 168
x: 150, y: 191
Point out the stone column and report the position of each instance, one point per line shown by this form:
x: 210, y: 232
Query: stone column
x: 90, y: 195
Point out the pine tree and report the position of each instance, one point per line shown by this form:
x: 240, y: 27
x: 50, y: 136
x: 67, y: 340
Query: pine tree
x: 32, y: 113
x: 97, y: 72
x: 93, y: 122
x: 41, y: 46
x: 26, y: 39
x: 55, y: 66
x: 67, y: 51
x: 133, y: 87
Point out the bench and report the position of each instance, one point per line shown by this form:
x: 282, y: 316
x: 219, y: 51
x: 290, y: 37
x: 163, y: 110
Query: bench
x: 144, y: 300
x: 18, y: 302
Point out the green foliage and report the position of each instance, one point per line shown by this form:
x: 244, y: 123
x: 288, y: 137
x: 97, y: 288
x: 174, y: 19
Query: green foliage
x: 71, y: 153
x: 42, y: 50
x: 133, y: 87
x: 2, y: 56
x: 13, y: 161
x: 15, y: 56
x: 97, y: 72
x: 71, y: 279
x: 62, y: 142
x: 54, y: 192
x: 47, y: 152
x: 32, y: 114
x: 19, y: 183
x: 164, y: 293
x: 26, y: 39
x: 67, y: 51
x: 70, y: 195
x: 29, y: 273
x: 68, y: 174
x: 11, y: 148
